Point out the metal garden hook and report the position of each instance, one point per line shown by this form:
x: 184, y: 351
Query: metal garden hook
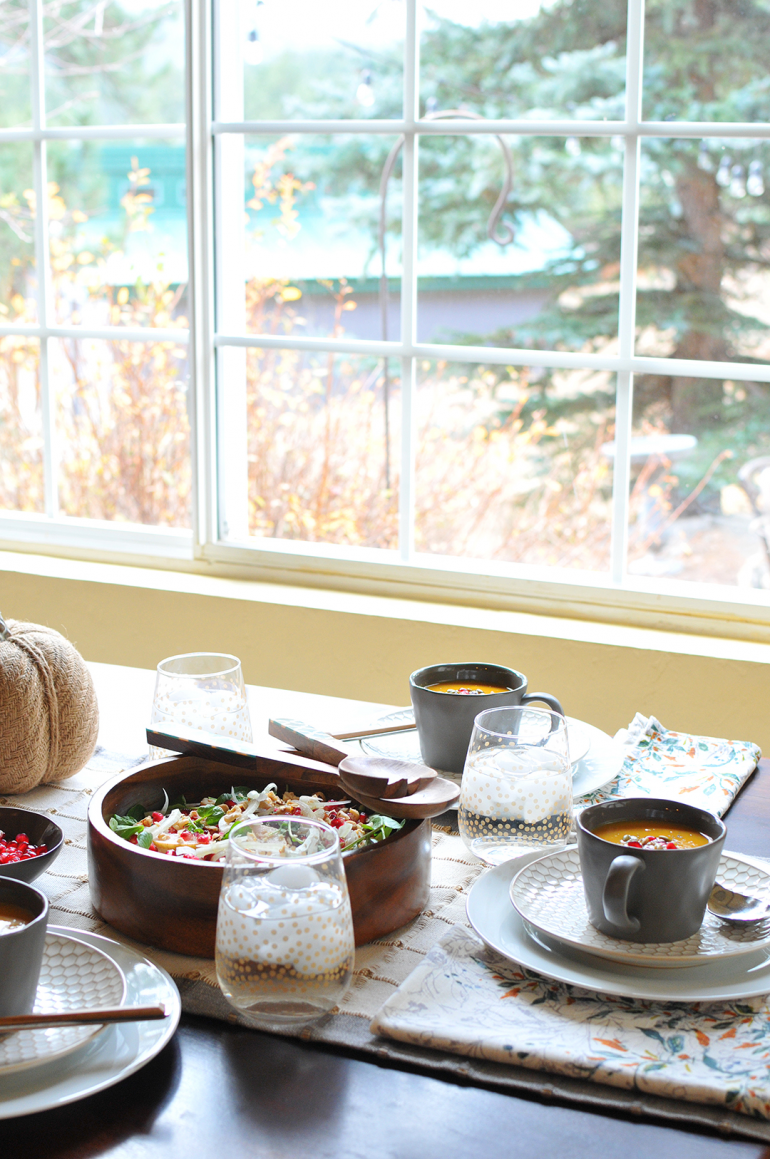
x: 494, y: 219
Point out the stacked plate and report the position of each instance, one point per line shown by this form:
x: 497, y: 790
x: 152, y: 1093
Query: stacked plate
x: 537, y: 917
x: 596, y: 757
x: 40, y: 1069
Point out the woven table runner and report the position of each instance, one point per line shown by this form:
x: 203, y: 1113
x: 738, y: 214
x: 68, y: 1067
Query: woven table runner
x: 380, y: 968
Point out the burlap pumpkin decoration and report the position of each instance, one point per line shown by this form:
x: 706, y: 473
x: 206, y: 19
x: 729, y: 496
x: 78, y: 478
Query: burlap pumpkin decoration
x: 48, y: 712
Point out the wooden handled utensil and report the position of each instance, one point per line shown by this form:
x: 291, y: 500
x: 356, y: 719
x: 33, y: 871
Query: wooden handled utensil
x: 415, y: 792
x: 248, y: 757
x: 313, y: 742
x: 325, y: 746
x: 83, y: 1017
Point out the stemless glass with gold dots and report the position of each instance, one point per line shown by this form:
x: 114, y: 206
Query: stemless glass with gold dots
x: 284, y: 947
x: 516, y: 795
x: 202, y: 691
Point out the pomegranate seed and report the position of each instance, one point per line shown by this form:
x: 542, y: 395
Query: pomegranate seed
x: 18, y: 849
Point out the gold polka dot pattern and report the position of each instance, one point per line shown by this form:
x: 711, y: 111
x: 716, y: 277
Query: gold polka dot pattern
x: 497, y: 785
x: 304, y: 948
x: 223, y: 713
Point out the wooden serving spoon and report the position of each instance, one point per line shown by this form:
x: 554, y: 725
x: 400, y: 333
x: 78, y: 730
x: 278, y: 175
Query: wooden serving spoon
x: 383, y: 777
x: 439, y: 795
x: 402, y: 789
x: 399, y: 788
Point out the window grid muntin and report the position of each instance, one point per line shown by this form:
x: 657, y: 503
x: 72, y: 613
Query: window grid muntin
x: 43, y: 289
x: 629, y: 245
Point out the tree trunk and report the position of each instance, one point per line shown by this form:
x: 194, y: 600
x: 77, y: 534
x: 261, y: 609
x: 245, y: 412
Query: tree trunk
x: 696, y: 402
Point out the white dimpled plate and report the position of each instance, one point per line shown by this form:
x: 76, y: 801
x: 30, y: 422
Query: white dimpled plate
x: 73, y: 976
x: 548, y: 894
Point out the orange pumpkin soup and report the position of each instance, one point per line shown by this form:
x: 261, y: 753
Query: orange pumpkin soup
x: 13, y: 917
x: 467, y: 688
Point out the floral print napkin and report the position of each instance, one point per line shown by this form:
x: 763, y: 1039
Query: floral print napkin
x: 467, y: 999
x: 699, y: 769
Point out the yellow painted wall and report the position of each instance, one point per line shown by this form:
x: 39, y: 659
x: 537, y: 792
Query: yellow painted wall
x: 366, y: 646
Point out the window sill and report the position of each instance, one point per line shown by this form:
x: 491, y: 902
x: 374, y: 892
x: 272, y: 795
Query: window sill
x: 362, y: 645
x: 658, y: 605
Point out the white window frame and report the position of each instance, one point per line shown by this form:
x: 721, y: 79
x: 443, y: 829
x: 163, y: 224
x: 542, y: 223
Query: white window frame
x: 214, y: 135
x: 50, y: 530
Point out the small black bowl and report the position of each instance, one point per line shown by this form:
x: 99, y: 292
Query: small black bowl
x: 41, y: 830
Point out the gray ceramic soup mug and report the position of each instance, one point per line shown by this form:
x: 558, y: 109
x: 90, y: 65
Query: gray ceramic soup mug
x: 648, y: 895
x: 21, y: 950
x: 445, y: 721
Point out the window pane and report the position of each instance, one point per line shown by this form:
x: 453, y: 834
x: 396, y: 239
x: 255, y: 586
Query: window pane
x: 113, y: 64
x: 21, y: 430
x: 562, y: 59
x: 706, y: 62
x: 309, y: 255
x: 123, y: 430
x: 15, y: 108
x: 700, y: 504
x: 548, y: 275
x: 118, y: 224
x: 510, y: 471
x: 703, y: 281
x: 18, y: 275
x: 323, y: 439
x: 308, y: 60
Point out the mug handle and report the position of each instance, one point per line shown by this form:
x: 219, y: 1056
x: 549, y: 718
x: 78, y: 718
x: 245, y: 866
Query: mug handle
x: 615, y: 896
x: 546, y: 698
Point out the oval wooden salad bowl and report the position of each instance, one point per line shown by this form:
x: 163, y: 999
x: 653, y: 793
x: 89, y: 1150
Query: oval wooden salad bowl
x: 171, y: 902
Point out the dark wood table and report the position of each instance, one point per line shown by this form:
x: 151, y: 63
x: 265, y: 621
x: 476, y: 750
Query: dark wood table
x: 219, y: 1090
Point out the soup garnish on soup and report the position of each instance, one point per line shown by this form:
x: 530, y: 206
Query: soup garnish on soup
x: 468, y: 688
x: 649, y: 835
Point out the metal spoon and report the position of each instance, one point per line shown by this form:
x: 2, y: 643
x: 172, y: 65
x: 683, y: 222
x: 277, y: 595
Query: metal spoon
x: 738, y: 908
